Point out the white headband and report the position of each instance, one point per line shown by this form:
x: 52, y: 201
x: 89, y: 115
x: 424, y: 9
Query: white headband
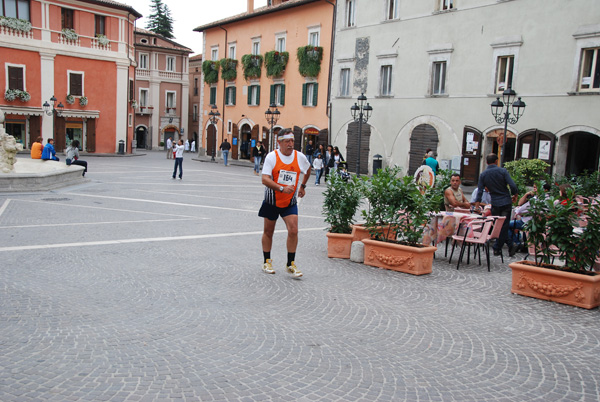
x: 286, y: 136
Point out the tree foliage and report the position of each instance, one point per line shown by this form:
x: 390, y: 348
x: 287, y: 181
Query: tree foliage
x: 160, y: 20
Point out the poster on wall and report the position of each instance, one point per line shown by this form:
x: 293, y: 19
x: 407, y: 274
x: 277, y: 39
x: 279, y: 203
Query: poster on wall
x: 544, y: 152
x: 525, y: 151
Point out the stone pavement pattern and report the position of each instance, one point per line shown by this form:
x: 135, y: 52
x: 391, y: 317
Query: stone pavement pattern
x: 137, y: 287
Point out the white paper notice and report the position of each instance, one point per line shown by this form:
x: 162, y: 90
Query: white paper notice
x: 544, y: 152
x: 525, y: 151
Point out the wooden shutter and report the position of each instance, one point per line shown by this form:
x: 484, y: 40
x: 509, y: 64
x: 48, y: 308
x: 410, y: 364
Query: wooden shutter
x: 227, y: 96
x: 250, y: 94
x: 471, y: 155
x: 15, y: 78
x: 67, y: 18
x: 213, y: 96
x: 60, y: 132
x: 91, y: 135
x: 75, y: 84
x: 315, y: 94
x: 35, y: 129
x: 272, y: 95
x: 304, y: 86
x: 282, y: 94
x: 257, y: 95
x: 233, y: 93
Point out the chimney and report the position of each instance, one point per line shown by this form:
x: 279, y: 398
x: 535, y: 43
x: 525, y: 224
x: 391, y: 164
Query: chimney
x: 250, y: 6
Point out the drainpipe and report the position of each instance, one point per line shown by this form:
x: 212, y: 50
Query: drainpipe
x: 224, y: 91
x: 128, y: 95
x: 329, y: 109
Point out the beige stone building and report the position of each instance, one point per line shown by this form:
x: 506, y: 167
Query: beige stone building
x: 431, y: 69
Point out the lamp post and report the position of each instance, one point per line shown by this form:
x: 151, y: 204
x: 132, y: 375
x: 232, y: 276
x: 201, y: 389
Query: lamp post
x: 272, y: 115
x: 360, y: 113
x: 213, y: 118
x: 504, y: 116
x: 56, y: 110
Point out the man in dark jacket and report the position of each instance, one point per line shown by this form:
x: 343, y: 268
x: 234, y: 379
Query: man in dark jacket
x: 497, y: 180
x: 225, y: 147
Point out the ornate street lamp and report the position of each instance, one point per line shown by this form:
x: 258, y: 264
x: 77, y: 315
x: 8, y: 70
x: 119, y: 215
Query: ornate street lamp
x: 360, y: 113
x: 56, y: 109
x: 213, y: 118
x: 504, y: 115
x: 272, y: 115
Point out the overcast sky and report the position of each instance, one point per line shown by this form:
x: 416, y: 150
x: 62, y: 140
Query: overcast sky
x: 188, y: 15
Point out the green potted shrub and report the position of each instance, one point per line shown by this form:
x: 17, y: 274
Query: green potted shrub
x: 228, y: 69
x: 252, y: 66
x: 569, y: 230
x: 341, y: 201
x: 396, y: 217
x: 309, y: 60
x: 275, y: 63
x: 211, y: 71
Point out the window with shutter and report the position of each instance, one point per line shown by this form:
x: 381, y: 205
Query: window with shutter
x: 76, y: 84
x: 304, y: 89
x: 15, y: 78
x: 100, y: 25
x: 67, y: 18
x: 213, y: 96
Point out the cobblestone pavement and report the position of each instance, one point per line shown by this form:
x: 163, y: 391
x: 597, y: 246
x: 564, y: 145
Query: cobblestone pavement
x: 137, y: 287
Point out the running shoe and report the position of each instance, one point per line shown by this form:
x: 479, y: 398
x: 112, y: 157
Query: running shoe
x: 293, y: 269
x: 268, y: 267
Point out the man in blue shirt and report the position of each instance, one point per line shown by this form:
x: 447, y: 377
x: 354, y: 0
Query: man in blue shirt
x: 497, y: 180
x: 48, y: 152
x: 432, y: 163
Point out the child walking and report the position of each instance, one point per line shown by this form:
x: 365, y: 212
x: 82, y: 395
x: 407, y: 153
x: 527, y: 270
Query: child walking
x: 318, y: 165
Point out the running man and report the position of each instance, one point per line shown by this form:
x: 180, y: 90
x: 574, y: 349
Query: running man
x: 281, y: 175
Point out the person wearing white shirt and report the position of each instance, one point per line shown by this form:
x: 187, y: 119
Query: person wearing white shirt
x: 179, y: 148
x: 318, y: 166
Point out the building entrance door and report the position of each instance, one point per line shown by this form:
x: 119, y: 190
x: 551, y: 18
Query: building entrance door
x: 211, y: 140
x: 582, y: 154
x: 471, y: 156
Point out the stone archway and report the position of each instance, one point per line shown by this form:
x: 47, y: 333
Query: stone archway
x: 583, y: 152
x: 423, y: 137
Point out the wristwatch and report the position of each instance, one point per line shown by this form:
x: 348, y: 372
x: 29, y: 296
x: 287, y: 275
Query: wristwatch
x: 281, y: 189
x: 303, y: 185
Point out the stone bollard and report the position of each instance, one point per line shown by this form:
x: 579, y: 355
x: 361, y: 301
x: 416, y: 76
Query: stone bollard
x: 357, y: 252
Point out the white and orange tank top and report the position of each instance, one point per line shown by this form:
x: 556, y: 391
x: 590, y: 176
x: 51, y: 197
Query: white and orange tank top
x: 284, y: 174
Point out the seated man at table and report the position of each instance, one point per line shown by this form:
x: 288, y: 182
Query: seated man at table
x: 486, y: 201
x: 454, y: 196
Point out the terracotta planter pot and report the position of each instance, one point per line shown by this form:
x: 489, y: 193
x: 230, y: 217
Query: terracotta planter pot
x: 339, y: 245
x: 398, y: 257
x: 360, y: 232
x: 555, y: 285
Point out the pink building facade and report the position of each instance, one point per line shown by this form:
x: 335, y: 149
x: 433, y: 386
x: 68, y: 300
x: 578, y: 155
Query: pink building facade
x: 161, y: 90
x: 249, y: 53
x: 81, y: 54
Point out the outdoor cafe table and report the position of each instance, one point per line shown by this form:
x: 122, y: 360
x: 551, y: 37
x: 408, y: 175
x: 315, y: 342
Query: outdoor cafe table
x: 443, y: 225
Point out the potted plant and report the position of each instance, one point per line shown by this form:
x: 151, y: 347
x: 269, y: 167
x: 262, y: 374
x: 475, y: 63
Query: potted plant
x: 16, y: 24
x: 275, y: 63
x: 309, y: 60
x: 83, y: 100
x: 69, y: 34
x: 341, y: 201
x: 102, y: 40
x: 70, y: 99
x: 228, y: 69
x: 211, y: 71
x: 252, y: 66
x: 555, y: 231
x: 398, y: 213
x: 12, y: 94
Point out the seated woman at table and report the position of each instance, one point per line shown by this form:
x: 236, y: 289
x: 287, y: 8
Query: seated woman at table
x: 454, y: 196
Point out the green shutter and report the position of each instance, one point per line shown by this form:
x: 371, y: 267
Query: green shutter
x: 213, y: 96
x: 233, y: 93
x: 250, y: 94
x: 272, y: 95
x: 258, y: 95
x: 315, y: 94
x: 304, y: 94
x: 282, y: 94
x: 227, y: 96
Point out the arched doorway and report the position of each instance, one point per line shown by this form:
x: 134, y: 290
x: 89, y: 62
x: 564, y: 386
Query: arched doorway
x: 536, y: 144
x: 495, y: 139
x: 423, y: 136
x: 245, y: 139
x: 141, y: 135
x: 583, y: 153
x: 211, y: 140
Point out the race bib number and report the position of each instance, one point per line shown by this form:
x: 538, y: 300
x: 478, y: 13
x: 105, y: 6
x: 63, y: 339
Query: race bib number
x: 287, y: 178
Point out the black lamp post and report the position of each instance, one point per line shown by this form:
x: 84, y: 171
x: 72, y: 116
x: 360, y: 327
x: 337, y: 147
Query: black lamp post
x: 56, y: 110
x: 360, y: 114
x: 272, y: 115
x: 504, y: 116
x: 213, y: 118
